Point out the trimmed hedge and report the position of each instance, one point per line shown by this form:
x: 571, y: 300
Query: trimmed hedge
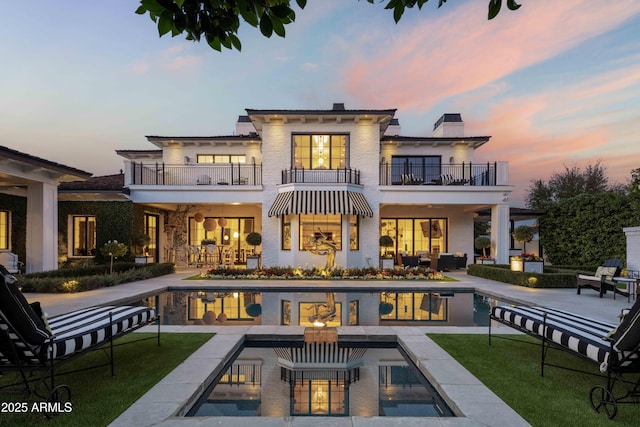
x: 551, y: 278
x: 85, y: 279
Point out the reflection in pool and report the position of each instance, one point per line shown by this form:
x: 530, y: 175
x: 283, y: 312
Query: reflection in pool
x: 304, y: 308
x: 321, y: 379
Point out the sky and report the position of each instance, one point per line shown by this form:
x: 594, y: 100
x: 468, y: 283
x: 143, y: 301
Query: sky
x: 555, y: 84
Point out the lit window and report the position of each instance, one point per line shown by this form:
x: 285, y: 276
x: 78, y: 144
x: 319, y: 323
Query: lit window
x: 84, y: 236
x: 221, y: 158
x: 320, y: 151
x: 325, y: 227
x: 4, y: 230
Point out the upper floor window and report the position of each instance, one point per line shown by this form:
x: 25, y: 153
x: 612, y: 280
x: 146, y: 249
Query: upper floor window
x: 4, y: 230
x: 84, y: 236
x: 320, y: 151
x: 221, y: 158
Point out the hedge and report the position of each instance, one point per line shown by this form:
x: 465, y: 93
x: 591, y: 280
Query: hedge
x: 551, y: 278
x: 85, y: 279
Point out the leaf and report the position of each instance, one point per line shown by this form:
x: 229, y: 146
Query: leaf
x: 494, y: 8
x: 301, y: 3
x: 278, y: 26
x: 235, y: 41
x: 266, y: 27
x: 165, y: 23
x: 398, y: 11
x: 141, y: 10
x: 512, y: 5
x: 215, y: 44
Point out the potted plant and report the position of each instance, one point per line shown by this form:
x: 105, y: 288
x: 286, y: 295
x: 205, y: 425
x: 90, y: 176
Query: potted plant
x: 530, y: 263
x: 386, y: 261
x: 483, y: 242
x: 254, y: 239
x: 139, y: 243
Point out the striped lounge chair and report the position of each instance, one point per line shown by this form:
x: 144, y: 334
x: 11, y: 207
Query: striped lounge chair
x: 32, y: 344
x: 614, y: 348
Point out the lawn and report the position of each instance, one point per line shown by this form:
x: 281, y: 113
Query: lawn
x: 97, y: 398
x: 512, y: 371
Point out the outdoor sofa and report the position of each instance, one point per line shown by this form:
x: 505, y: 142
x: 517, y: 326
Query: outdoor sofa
x: 614, y: 348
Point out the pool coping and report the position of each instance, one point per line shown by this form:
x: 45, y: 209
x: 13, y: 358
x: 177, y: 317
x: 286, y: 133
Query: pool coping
x: 472, y: 402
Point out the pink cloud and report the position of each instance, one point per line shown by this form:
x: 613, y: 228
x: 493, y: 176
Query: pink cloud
x: 461, y: 51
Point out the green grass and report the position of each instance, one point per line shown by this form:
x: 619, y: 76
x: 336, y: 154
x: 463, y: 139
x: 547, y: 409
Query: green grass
x: 97, y: 398
x: 512, y: 371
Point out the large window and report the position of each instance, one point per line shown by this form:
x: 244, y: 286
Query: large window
x: 413, y: 235
x: 231, y: 304
x: 221, y: 158
x: 151, y: 230
x: 4, y: 230
x: 84, y: 236
x: 319, y: 397
x: 320, y: 151
x: 285, y: 239
x: 328, y: 227
x: 415, y: 169
x: 232, y: 236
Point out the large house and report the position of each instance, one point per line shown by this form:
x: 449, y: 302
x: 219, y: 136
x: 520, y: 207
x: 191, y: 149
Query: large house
x: 310, y: 181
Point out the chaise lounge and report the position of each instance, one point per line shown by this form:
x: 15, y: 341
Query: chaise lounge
x: 602, y: 280
x: 615, y: 349
x: 32, y: 344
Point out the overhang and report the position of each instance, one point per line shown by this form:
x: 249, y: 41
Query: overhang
x: 320, y: 202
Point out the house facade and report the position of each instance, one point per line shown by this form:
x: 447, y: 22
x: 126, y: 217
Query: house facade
x: 318, y: 184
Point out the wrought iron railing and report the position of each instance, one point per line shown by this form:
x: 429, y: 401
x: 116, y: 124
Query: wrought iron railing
x: 346, y: 175
x: 214, y: 174
x: 448, y: 174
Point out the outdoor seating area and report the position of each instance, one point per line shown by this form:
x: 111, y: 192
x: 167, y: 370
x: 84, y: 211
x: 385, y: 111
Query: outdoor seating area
x: 614, y: 348
x: 36, y: 346
x: 602, y: 281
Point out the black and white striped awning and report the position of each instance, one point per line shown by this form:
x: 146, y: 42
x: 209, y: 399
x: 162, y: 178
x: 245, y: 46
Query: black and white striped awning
x: 320, y: 202
x: 320, y: 356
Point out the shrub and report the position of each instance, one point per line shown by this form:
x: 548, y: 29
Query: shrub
x: 503, y: 273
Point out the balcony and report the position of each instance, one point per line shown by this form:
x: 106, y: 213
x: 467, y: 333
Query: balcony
x: 315, y: 176
x: 447, y: 174
x: 188, y: 175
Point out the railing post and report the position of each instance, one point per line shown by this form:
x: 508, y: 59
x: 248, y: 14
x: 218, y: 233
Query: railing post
x: 164, y: 175
x: 156, y: 173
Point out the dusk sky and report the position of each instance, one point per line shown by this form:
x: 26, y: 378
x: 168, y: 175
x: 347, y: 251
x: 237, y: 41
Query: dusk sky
x: 555, y: 83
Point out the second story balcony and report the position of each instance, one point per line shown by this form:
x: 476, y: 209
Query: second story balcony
x: 319, y: 176
x: 474, y: 174
x: 188, y: 175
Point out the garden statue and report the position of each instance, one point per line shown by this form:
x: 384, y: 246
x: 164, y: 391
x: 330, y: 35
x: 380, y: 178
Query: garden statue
x: 321, y: 245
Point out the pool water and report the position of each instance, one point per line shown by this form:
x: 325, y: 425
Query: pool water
x: 376, y: 380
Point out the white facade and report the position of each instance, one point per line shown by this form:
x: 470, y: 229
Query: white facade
x: 426, y: 190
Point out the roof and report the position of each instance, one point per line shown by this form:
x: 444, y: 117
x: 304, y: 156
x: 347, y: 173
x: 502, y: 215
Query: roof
x: 97, y: 183
x: 473, y: 141
x: 40, y: 162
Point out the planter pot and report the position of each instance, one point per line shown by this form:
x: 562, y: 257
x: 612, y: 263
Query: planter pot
x: 253, y: 262
x: 533, y: 266
x: 386, y: 263
x: 143, y: 259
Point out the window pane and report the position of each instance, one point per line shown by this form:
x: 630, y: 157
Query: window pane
x: 286, y: 233
x: 84, y: 236
x: 354, y: 233
x: 204, y: 158
x: 4, y: 230
x: 316, y: 226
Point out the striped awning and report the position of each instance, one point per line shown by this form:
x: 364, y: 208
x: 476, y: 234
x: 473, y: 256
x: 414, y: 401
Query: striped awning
x: 320, y: 202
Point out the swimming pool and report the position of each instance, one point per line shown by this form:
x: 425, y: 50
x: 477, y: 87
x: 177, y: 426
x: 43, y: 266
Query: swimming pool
x: 431, y: 307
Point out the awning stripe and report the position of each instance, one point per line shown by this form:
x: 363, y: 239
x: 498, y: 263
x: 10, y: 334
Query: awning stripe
x: 320, y: 202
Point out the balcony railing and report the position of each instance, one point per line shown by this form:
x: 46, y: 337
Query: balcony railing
x: 348, y: 176
x: 449, y: 174
x: 215, y: 174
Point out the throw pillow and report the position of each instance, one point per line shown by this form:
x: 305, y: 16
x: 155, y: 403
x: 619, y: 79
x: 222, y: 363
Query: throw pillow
x: 20, y: 315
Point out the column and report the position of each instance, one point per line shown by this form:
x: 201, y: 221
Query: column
x: 42, y: 227
x: 500, y: 237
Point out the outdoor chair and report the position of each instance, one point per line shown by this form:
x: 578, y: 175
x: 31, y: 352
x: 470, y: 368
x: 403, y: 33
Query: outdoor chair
x: 36, y: 346
x: 10, y: 261
x: 602, y: 280
x: 614, y: 348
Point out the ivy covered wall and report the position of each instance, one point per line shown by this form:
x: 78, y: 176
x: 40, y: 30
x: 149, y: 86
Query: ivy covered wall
x: 113, y: 222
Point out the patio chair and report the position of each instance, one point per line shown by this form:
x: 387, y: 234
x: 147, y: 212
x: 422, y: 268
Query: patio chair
x: 602, y: 280
x: 614, y: 349
x: 10, y: 261
x: 36, y: 346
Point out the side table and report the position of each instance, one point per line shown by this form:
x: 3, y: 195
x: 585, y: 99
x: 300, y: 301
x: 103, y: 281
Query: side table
x: 632, y: 286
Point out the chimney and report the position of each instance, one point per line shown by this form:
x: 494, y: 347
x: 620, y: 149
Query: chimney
x: 394, y: 128
x: 244, y: 126
x: 338, y: 106
x: 450, y: 125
